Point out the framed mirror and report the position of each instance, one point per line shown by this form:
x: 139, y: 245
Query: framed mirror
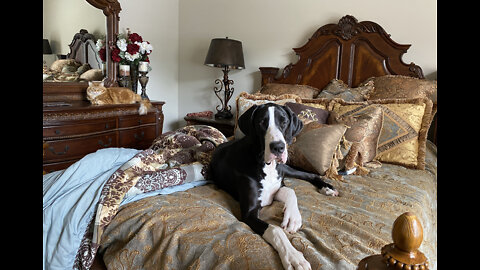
x: 108, y: 10
x: 111, y: 9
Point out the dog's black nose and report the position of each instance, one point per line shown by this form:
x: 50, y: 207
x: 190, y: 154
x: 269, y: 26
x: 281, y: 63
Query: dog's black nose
x: 277, y: 148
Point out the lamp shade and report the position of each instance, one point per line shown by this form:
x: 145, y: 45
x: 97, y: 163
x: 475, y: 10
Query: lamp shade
x: 225, y: 52
x: 46, y: 47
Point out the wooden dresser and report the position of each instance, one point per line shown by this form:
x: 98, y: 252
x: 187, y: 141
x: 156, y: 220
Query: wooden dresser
x: 73, y: 129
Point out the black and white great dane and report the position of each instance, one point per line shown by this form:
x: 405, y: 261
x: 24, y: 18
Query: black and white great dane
x: 251, y: 170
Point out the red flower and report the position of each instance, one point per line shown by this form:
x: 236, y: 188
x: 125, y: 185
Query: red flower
x: 135, y: 37
x: 115, y: 55
x: 132, y: 48
x: 103, y: 54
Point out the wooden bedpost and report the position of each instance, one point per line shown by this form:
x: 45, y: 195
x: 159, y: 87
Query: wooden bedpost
x: 403, y: 253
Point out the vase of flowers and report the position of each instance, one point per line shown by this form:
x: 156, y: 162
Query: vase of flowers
x: 129, y: 49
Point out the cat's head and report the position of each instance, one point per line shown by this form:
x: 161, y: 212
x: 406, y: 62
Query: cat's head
x: 95, y: 83
x: 95, y: 88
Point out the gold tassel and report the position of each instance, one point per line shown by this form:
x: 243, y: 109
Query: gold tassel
x: 331, y: 172
x: 361, y: 170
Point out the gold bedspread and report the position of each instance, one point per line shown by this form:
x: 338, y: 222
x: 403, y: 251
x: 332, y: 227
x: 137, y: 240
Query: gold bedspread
x: 199, y: 228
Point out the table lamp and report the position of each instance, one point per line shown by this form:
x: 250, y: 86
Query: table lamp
x: 227, y: 54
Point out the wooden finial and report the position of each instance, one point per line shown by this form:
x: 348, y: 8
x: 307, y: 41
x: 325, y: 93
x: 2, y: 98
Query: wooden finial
x: 403, y: 253
x: 407, y: 235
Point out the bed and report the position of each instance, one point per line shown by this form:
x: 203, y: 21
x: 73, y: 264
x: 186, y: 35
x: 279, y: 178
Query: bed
x: 153, y: 209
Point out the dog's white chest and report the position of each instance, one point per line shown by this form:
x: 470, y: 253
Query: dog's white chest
x: 270, y: 184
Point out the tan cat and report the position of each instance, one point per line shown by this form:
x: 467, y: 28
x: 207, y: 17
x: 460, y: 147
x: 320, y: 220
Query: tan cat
x: 101, y: 95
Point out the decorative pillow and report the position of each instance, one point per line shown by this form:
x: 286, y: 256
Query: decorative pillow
x: 315, y: 147
x: 322, y: 103
x: 277, y: 89
x: 361, y: 138
x: 402, y: 139
x: 338, y: 89
x: 308, y: 114
x: 95, y: 74
x: 245, y: 101
x: 399, y: 86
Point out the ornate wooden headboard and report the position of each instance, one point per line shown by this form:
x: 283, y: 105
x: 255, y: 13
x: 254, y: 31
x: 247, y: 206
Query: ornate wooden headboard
x: 351, y: 51
x: 83, y: 49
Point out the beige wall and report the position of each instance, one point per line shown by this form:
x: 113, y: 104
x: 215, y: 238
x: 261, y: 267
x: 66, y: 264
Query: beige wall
x: 269, y: 29
x: 180, y: 32
x: 157, y: 22
x: 62, y: 19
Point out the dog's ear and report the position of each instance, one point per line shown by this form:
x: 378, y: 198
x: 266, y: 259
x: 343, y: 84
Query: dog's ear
x: 246, y: 119
x: 295, y: 126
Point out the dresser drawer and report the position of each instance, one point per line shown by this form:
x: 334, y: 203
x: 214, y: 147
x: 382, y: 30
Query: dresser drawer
x: 80, y: 128
x: 138, y: 138
x: 67, y: 149
x: 136, y: 120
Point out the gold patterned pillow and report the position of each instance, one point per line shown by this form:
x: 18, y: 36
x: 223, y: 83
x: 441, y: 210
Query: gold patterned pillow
x: 361, y: 138
x: 402, y: 139
x: 277, y: 89
x: 399, y: 86
x: 315, y: 147
x: 245, y: 101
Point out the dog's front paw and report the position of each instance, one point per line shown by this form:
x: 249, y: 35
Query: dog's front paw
x: 292, y: 220
x: 329, y: 191
x: 294, y: 260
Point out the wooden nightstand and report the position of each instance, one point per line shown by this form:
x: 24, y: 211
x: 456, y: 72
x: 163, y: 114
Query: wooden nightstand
x: 225, y: 126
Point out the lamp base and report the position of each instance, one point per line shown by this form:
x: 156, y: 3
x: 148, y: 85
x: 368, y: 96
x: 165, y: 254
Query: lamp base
x: 224, y: 115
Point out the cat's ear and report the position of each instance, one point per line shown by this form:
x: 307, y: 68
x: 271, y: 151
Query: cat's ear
x: 101, y: 83
x: 89, y: 83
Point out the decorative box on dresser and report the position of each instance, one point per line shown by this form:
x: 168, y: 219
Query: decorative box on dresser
x: 75, y: 128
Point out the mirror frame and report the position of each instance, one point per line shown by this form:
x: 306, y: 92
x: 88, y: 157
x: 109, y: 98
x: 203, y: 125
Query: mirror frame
x: 111, y: 9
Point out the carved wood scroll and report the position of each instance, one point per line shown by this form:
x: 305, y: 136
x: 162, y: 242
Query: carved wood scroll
x: 351, y: 51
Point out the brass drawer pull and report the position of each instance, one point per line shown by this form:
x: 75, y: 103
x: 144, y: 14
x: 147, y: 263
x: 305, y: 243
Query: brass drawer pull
x: 59, y: 153
x: 100, y: 142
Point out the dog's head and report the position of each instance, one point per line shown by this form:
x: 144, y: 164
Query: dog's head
x: 274, y: 126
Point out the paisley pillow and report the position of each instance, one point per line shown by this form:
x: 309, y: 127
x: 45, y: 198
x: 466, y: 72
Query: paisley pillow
x: 361, y: 138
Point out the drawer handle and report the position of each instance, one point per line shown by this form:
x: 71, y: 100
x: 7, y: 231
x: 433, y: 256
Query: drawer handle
x: 57, y: 132
x: 59, y: 153
x: 105, y: 144
x: 142, y: 134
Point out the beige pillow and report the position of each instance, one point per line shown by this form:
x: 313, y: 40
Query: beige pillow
x: 315, y: 147
x: 277, y: 89
x: 92, y: 75
x: 245, y: 101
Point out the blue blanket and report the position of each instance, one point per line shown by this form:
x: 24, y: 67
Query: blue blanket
x: 70, y: 199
